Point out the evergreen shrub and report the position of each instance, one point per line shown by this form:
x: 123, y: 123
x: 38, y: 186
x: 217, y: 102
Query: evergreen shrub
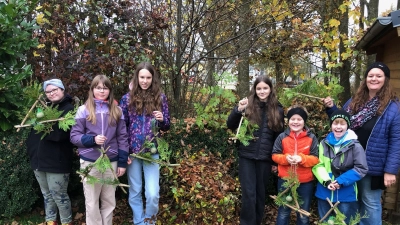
x: 18, y: 190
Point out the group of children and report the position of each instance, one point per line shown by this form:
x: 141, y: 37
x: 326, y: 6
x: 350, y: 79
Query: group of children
x: 121, y: 130
x: 337, y: 162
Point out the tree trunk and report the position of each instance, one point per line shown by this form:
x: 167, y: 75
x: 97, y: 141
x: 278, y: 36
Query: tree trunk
x: 243, y: 48
x: 372, y: 8
x: 176, y: 81
x: 345, y: 70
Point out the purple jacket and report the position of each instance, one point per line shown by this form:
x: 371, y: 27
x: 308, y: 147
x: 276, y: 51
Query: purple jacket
x: 83, y: 133
x: 139, y: 126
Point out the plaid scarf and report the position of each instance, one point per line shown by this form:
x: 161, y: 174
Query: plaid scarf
x: 364, y: 113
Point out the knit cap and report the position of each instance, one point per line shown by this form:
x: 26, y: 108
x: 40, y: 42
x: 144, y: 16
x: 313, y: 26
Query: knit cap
x: 340, y: 113
x: 379, y: 65
x: 299, y: 111
x: 55, y: 82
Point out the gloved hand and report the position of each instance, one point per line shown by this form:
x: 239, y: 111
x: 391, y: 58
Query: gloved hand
x: 290, y: 159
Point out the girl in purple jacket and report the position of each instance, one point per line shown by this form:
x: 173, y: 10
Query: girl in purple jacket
x: 100, y: 123
x: 143, y: 103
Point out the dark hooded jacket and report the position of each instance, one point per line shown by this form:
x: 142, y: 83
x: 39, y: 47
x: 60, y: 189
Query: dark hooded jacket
x: 54, y: 152
x: 261, y: 147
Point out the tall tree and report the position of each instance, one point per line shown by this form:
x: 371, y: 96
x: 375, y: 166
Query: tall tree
x: 243, y: 48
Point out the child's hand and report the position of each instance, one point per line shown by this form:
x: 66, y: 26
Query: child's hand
x: 100, y: 139
x: 297, y: 158
x: 242, y: 104
x: 129, y: 161
x: 291, y: 160
x: 158, y: 115
x: 336, y: 184
x: 331, y: 186
x: 120, y: 171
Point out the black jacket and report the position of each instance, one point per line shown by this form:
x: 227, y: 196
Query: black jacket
x: 54, y: 152
x: 261, y: 147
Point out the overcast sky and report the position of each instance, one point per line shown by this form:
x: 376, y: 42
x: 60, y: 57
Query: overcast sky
x: 385, y: 5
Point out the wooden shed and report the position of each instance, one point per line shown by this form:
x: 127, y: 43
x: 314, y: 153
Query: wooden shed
x: 383, y: 40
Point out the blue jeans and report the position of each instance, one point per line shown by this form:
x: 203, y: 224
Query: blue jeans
x: 54, y: 189
x: 349, y: 209
x: 370, y: 202
x: 305, y: 192
x: 151, y: 172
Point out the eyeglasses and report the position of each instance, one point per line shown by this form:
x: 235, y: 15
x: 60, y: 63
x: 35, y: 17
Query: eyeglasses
x: 55, y: 90
x: 102, y: 88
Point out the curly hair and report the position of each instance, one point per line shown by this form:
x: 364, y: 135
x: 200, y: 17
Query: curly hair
x: 114, y: 110
x: 385, y: 95
x: 149, y: 100
x: 253, y: 110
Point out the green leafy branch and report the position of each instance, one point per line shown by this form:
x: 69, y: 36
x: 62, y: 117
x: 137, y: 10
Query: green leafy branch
x: 162, y: 148
x: 339, y: 216
x: 101, y: 164
x: 289, y: 197
x: 245, y: 131
x: 44, y: 118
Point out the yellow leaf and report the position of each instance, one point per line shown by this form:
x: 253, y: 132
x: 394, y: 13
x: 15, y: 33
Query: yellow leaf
x: 40, y: 46
x: 39, y: 7
x: 51, y: 31
x: 54, y: 49
x: 35, y: 54
x: 334, y: 23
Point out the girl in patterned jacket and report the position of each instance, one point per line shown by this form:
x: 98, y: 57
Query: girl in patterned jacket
x: 140, y: 106
x: 296, y: 149
x: 100, y: 123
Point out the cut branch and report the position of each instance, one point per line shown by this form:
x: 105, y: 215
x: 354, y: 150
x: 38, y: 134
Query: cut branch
x: 294, y: 208
x: 154, y: 161
x: 44, y: 121
x: 30, y: 110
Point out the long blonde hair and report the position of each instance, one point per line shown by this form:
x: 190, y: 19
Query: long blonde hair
x: 113, y: 110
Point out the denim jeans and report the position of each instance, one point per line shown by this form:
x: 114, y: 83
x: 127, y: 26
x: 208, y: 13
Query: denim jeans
x: 349, y: 209
x: 253, y: 177
x: 305, y: 192
x: 151, y: 172
x: 370, y: 202
x: 54, y: 189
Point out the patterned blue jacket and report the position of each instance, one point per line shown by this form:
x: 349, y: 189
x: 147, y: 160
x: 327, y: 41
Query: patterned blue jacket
x: 383, y: 145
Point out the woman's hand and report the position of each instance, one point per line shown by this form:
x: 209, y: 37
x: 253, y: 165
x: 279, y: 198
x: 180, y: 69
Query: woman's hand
x: 243, y: 104
x: 389, y: 179
x: 328, y: 102
x: 158, y: 115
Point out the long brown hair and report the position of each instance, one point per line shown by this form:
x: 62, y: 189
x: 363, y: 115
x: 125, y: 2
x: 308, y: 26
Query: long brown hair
x: 253, y: 110
x: 148, y: 100
x: 385, y: 94
x: 114, y: 111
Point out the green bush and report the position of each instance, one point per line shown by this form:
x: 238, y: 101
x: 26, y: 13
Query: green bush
x: 18, y: 189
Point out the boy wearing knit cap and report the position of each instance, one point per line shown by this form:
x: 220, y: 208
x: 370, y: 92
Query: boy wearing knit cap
x: 296, y: 150
x: 342, y: 162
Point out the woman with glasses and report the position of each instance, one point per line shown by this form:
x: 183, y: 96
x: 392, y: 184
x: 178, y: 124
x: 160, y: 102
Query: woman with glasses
x: 143, y: 104
x: 100, y: 124
x: 51, y: 157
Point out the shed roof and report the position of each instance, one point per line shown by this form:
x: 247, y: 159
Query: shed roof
x: 378, y: 29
